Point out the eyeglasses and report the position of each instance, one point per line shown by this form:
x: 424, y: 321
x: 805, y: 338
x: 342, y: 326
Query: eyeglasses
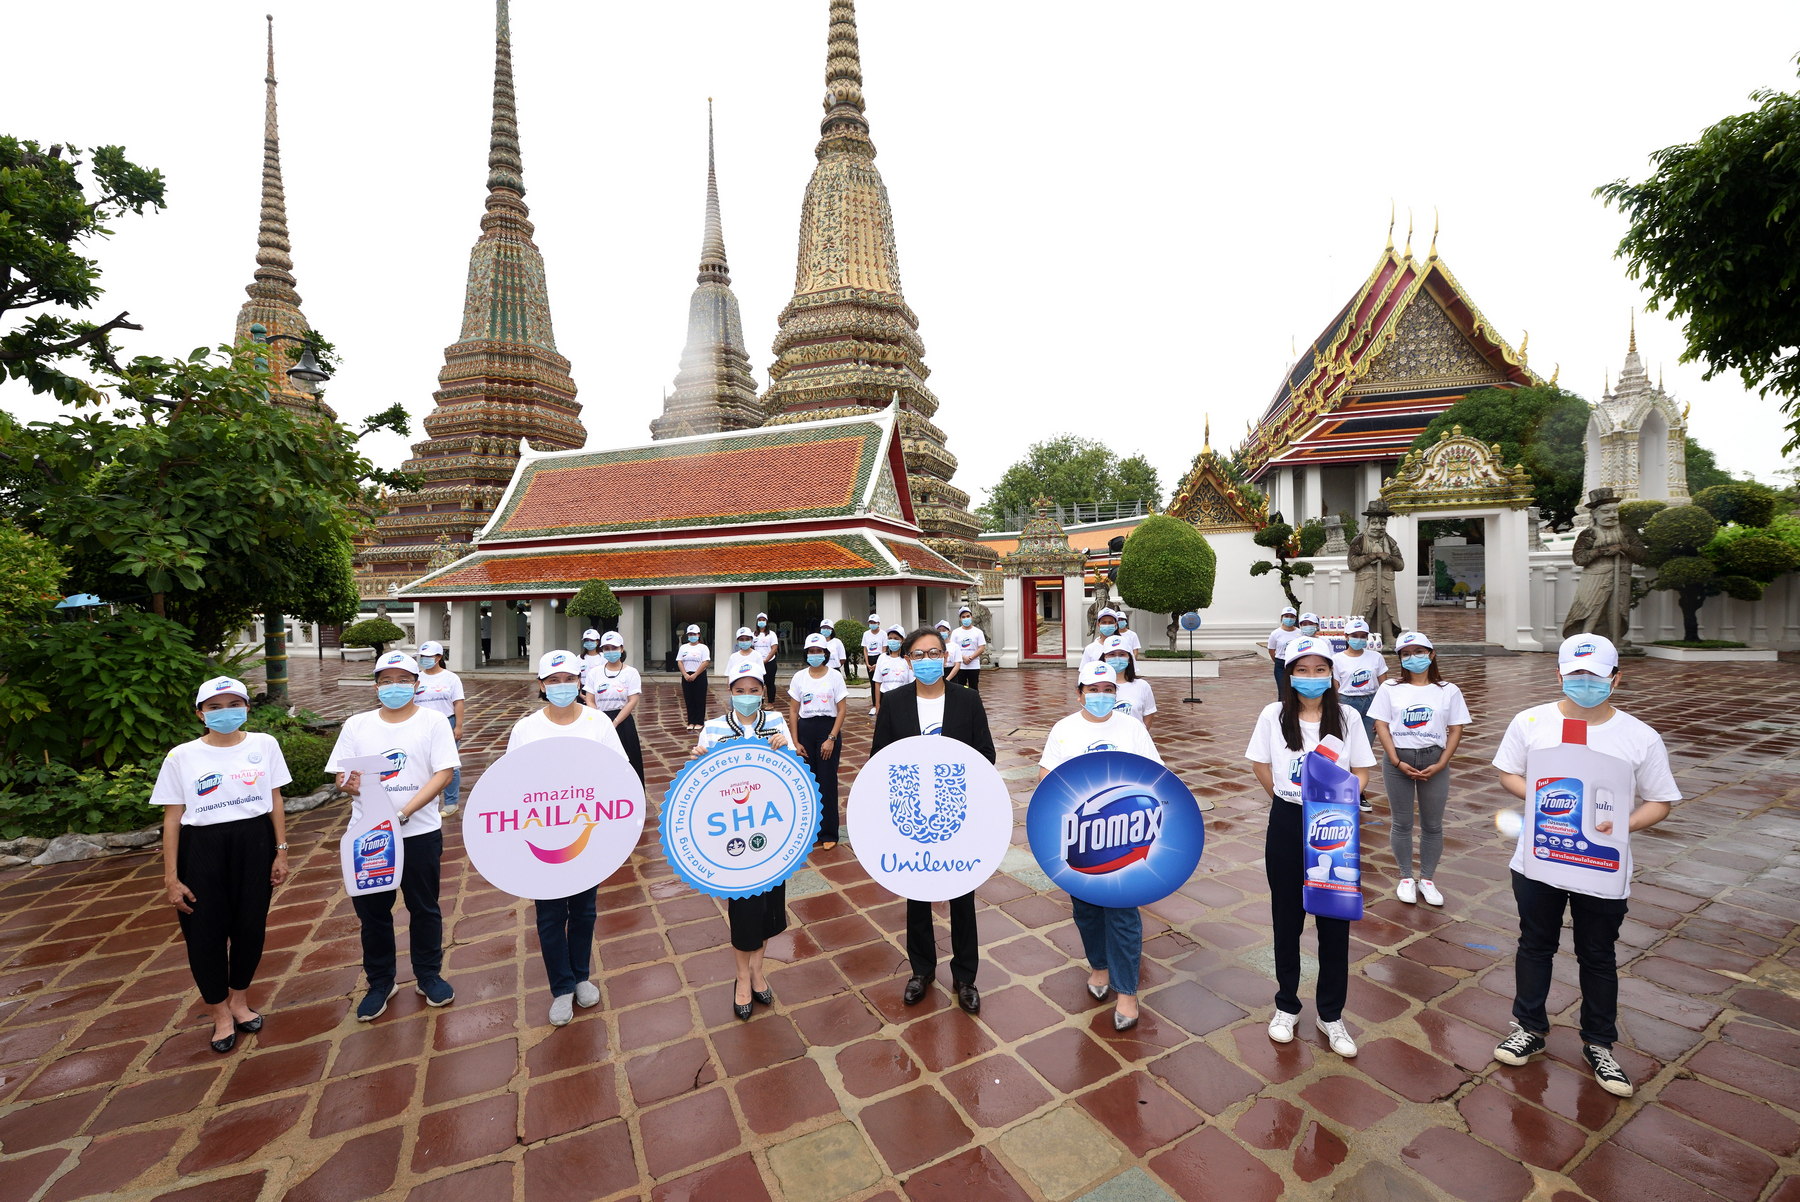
x: 918, y: 655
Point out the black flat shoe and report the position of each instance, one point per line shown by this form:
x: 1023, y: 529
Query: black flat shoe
x: 221, y: 1046
x: 766, y: 997
x: 969, y: 998
x: 915, y: 989
x: 251, y: 1027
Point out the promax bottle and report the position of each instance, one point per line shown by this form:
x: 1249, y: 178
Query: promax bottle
x: 1332, y: 840
x: 1571, y: 789
x: 372, y: 851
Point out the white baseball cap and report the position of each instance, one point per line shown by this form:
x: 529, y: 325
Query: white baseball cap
x: 965, y: 610
x: 612, y: 638
x: 753, y: 671
x: 1587, y: 653
x: 745, y: 632
x: 221, y: 686
x: 1098, y: 672
x: 1290, y: 612
x: 1307, y: 646
x: 693, y: 629
x: 1115, y: 643
x: 1109, y: 612
x: 552, y: 662
x: 943, y: 623
x: 817, y: 640
x: 898, y: 629
x: 590, y: 634
x: 826, y: 624
x: 874, y: 619
x: 1356, y: 626
x: 1414, y: 638
x: 1305, y: 618
x: 397, y: 659
x: 762, y: 617
x: 431, y: 648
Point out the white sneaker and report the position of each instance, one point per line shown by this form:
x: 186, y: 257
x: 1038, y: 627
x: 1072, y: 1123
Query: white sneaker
x: 1430, y: 893
x: 1406, y: 891
x: 562, y: 1009
x: 587, y: 994
x: 871, y: 711
x: 1281, y: 1026
x: 1339, y: 1035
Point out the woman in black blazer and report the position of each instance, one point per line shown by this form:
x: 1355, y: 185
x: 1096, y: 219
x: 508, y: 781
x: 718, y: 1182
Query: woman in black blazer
x: 932, y: 707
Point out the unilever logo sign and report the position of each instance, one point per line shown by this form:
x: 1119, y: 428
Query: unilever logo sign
x: 1115, y: 829
x: 929, y: 818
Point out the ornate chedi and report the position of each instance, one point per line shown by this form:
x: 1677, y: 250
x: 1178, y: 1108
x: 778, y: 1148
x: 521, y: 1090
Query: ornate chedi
x: 1637, y: 438
x: 274, y: 303
x: 1209, y: 499
x: 502, y: 380
x: 848, y: 341
x: 714, y: 390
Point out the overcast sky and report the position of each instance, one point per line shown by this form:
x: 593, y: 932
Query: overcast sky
x: 1112, y: 218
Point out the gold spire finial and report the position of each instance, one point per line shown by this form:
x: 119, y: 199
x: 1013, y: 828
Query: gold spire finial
x: 1409, y: 227
x: 844, y: 121
x: 1434, y: 233
x: 1206, y: 439
x: 1390, y: 236
x: 274, y: 266
x: 506, y: 169
x: 713, y: 267
x: 1554, y: 373
x: 1632, y: 349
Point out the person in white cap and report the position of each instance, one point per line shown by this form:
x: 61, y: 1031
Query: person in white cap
x: 834, y: 646
x: 1358, y: 672
x: 441, y: 689
x: 925, y: 705
x: 1419, y: 720
x: 692, y: 658
x: 590, y: 648
x: 952, y: 653
x: 1284, y: 632
x: 768, y: 645
x: 565, y: 925
x: 970, y: 643
x: 873, y: 640
x: 1588, y: 665
x: 615, y: 688
x: 1112, y: 937
x: 1135, y: 697
x: 743, y: 651
x: 753, y: 921
x: 817, y: 701
x: 891, y: 670
x: 1132, y: 642
x: 224, y: 850
x: 1285, y: 732
x: 1309, y: 625
x: 1105, y: 627
x: 421, y: 755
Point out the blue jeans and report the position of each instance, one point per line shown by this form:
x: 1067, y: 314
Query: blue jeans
x: 566, y: 937
x: 1361, y: 705
x: 1113, y: 939
x: 452, y: 791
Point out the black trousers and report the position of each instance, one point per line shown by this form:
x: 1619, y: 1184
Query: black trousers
x: 419, y: 887
x: 486, y: 645
x: 965, y: 943
x: 770, y: 670
x: 1597, y: 921
x: 970, y: 677
x: 812, y: 733
x: 693, y: 692
x: 628, y: 735
x: 1282, y: 861
x: 755, y: 920
x: 226, y: 867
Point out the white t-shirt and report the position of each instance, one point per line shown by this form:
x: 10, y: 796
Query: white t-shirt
x: 416, y: 749
x: 742, y: 657
x: 717, y: 730
x: 1621, y: 736
x: 691, y: 655
x: 818, y: 698
x: 1358, y: 675
x: 969, y: 643
x: 1136, y: 698
x: 612, y: 690
x: 1094, y: 650
x: 221, y: 784
x: 588, y: 724
x: 1131, y: 639
x: 767, y: 640
x: 931, y: 714
x: 1419, y: 715
x: 873, y: 642
x: 1280, y: 637
x: 439, y: 691
x: 890, y: 672
x: 1267, y: 746
x: 834, y: 651
x: 1079, y: 734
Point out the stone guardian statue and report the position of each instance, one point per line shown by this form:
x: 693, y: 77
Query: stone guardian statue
x: 1605, y: 552
x: 1376, y: 560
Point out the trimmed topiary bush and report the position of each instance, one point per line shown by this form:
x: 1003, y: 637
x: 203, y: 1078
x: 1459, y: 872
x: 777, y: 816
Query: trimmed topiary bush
x: 1167, y: 567
x: 1633, y: 514
x: 372, y: 632
x: 1742, y: 502
x: 596, y: 603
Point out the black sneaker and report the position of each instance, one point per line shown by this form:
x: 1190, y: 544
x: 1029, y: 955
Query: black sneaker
x: 1519, y: 1047
x: 1612, y: 1078
x: 436, y: 991
x: 1362, y: 803
x: 374, y: 1003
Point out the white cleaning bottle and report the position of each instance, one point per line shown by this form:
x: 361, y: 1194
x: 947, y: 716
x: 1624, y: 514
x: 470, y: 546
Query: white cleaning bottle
x: 372, y: 852
x: 1570, y: 790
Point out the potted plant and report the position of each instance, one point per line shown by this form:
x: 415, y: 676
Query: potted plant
x: 369, y: 638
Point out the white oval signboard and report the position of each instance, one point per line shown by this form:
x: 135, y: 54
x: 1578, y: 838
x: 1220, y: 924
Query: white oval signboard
x: 930, y: 818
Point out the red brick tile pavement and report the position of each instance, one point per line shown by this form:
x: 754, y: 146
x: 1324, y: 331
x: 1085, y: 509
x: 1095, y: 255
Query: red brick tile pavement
x: 107, y: 1090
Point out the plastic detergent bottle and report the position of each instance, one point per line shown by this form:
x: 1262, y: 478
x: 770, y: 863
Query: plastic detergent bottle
x: 372, y: 851
x: 1332, y: 844
x: 1571, y: 789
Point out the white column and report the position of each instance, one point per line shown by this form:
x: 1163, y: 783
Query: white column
x: 837, y: 607
x: 909, y: 607
x: 1012, y: 621
x: 1314, y: 501
x: 540, y: 635
x: 631, y: 629
x: 888, y: 604
x: 465, y: 636
x: 661, y: 637
x: 725, y: 623
x: 1405, y: 532
x: 754, y: 603
x: 1371, y: 486
x: 1074, y: 604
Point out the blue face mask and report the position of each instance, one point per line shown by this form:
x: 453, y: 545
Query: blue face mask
x: 761, y: 625
x: 561, y: 694
x: 746, y: 704
x: 1308, y: 628
x: 1585, y: 691
x: 1109, y: 628
x: 893, y: 646
x: 928, y: 671
x: 396, y: 696
x: 1357, y: 644
x: 588, y: 644
x: 1416, y: 663
x: 1310, y: 686
x: 612, y: 657
x: 1288, y: 622
x: 1119, y: 663
x: 745, y: 644
x: 428, y: 661
x: 693, y: 638
x: 1099, y: 704
x: 968, y: 621
x: 816, y: 658
x: 223, y: 722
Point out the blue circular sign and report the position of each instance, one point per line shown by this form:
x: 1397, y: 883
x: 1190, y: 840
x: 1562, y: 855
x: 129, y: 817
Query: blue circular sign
x: 740, y: 819
x: 1190, y: 621
x: 1115, y: 829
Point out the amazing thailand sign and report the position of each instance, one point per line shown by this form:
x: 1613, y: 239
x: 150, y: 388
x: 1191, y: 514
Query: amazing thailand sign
x: 1115, y: 829
x: 930, y: 818
x: 740, y: 819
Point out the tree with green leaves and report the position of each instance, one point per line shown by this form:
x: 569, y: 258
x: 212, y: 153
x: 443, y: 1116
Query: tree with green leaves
x: 1703, y: 470
x: 1542, y: 429
x: 1694, y: 561
x: 1279, y: 537
x: 1715, y: 238
x: 31, y: 574
x: 1167, y: 567
x: 596, y: 603
x: 1071, y: 470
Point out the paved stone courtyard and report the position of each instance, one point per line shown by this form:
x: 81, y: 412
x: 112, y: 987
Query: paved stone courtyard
x: 108, y: 1090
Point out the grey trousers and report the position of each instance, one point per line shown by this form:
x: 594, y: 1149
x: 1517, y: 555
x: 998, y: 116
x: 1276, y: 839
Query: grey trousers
x: 1430, y: 797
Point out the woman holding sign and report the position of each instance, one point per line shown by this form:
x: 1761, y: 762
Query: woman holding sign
x: 927, y: 707
x: 818, y: 693
x: 1285, y: 732
x: 754, y: 920
x: 565, y: 925
x: 1111, y: 936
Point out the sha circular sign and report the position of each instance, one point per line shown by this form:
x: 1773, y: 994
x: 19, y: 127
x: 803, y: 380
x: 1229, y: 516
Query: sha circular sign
x: 1115, y: 829
x: 740, y: 819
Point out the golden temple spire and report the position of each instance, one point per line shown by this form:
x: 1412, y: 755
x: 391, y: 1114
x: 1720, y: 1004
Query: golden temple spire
x: 1409, y: 227
x: 1632, y: 348
x: 1524, y: 346
x: 1390, y: 238
x: 274, y: 266
x: 1434, y: 233
x: 713, y: 267
x: 844, y: 126
x: 506, y: 170
x: 1554, y: 373
x: 1206, y: 440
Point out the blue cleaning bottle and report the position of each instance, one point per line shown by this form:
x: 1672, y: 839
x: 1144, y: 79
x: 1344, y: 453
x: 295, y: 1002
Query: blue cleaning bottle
x: 1332, y: 834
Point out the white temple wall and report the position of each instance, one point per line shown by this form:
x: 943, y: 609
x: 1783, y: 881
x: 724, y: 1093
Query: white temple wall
x: 1772, y: 622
